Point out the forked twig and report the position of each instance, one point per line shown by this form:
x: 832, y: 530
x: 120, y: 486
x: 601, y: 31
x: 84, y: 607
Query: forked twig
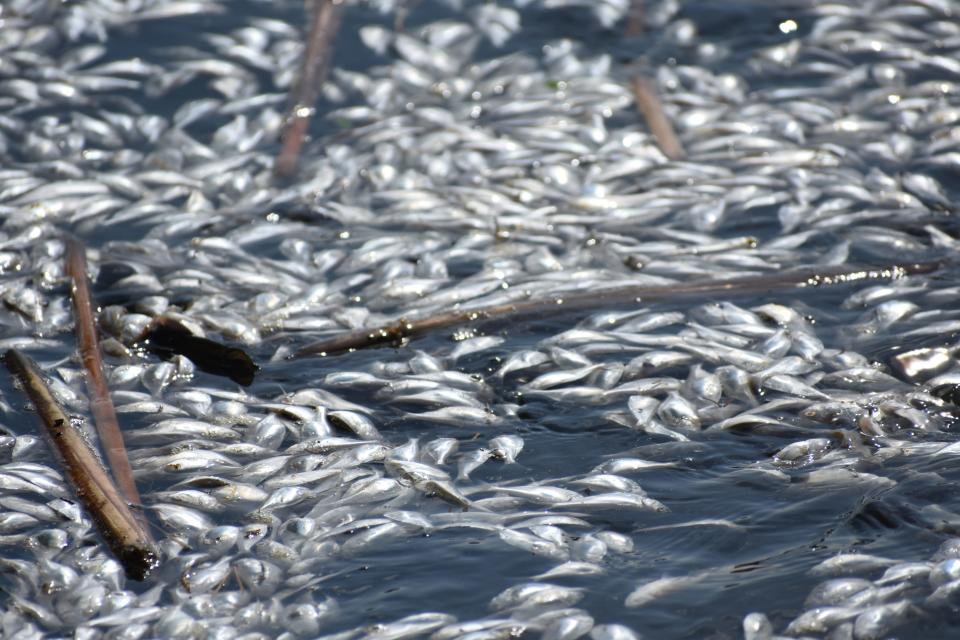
x: 101, y: 406
x: 125, y: 533
x: 395, y: 333
x: 316, y: 60
x: 650, y: 107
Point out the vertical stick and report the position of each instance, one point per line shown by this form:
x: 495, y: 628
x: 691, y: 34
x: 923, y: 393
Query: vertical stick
x: 400, y: 16
x: 316, y: 60
x: 101, y: 406
x: 636, y: 19
x: 650, y: 107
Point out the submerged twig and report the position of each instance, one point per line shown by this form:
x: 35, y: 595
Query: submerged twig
x: 400, y: 15
x: 323, y: 31
x: 101, y: 406
x: 650, y: 107
x: 125, y: 533
x: 394, y: 333
x: 636, y: 19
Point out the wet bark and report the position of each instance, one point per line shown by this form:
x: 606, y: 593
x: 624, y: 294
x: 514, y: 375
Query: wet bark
x: 124, y: 530
x: 396, y: 333
x: 324, y: 25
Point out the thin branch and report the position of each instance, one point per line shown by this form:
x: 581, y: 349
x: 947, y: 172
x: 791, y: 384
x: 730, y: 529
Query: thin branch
x: 124, y: 532
x: 650, y: 107
x: 316, y: 60
x: 101, y: 406
x: 402, y: 13
x: 397, y: 332
x: 636, y: 19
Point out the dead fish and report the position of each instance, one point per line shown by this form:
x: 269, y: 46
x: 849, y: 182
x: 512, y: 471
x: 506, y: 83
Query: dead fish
x: 850, y: 563
x: 534, y: 594
x: 651, y: 591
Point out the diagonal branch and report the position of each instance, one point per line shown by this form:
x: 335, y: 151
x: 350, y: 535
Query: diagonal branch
x: 396, y: 332
x: 125, y: 533
x: 316, y: 60
x: 636, y: 19
x: 101, y: 406
x: 650, y: 107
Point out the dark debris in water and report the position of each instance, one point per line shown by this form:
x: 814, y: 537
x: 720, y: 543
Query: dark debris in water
x: 166, y: 337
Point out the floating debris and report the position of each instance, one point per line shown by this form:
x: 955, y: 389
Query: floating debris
x: 101, y: 405
x: 124, y: 532
x: 166, y: 337
x: 324, y: 25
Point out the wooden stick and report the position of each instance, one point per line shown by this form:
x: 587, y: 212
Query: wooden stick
x: 323, y: 31
x: 101, y: 406
x: 124, y: 532
x: 395, y: 333
x: 650, y: 107
x: 400, y: 15
x: 636, y: 19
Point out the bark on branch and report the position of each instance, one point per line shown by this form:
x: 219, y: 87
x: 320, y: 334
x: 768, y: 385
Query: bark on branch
x: 636, y: 19
x: 101, y: 406
x: 650, y: 107
x: 397, y: 332
x: 125, y: 532
x: 325, y: 24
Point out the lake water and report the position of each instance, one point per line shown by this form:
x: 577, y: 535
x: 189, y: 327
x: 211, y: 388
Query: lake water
x: 669, y: 466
